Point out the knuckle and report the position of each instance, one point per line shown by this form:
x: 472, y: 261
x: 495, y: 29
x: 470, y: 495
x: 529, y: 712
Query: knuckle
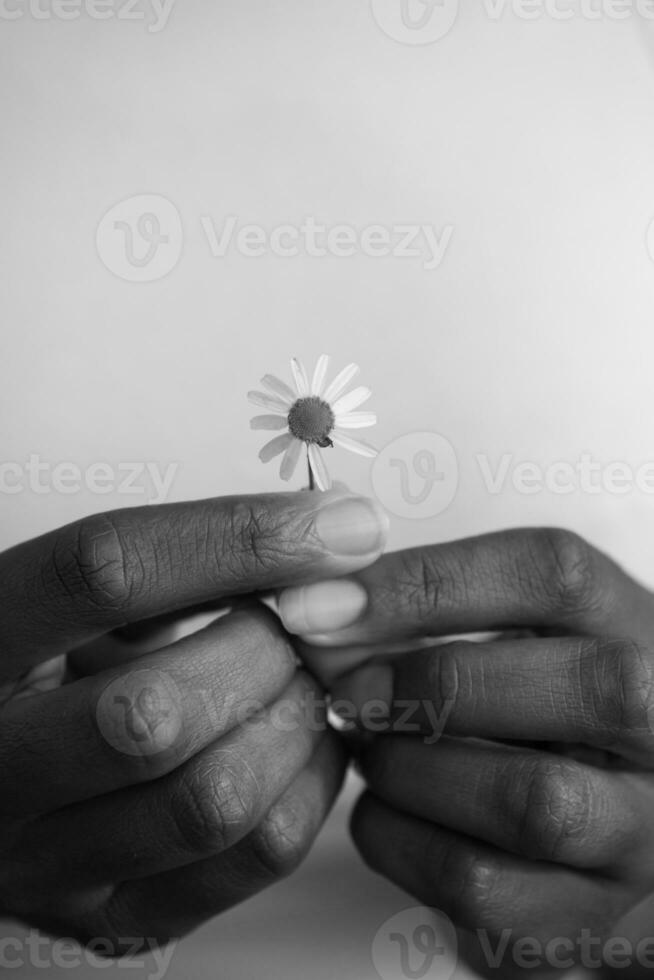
x: 140, y: 714
x: 283, y: 839
x: 555, y: 812
x: 633, y: 669
x: 571, y: 565
x: 418, y: 582
x: 251, y: 539
x: 94, y: 565
x: 470, y: 881
x: 215, y: 806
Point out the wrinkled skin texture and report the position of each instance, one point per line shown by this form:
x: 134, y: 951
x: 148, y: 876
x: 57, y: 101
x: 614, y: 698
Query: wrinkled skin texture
x: 511, y: 784
x: 150, y: 782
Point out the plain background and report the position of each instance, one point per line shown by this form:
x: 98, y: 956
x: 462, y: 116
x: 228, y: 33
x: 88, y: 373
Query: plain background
x: 533, y: 338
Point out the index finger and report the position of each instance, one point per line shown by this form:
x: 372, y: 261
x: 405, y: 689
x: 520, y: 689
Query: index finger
x: 71, y: 585
x: 542, y: 578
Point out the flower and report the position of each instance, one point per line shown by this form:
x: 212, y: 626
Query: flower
x: 315, y: 414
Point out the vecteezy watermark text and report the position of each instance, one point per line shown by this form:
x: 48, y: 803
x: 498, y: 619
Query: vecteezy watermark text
x: 154, y: 13
x: 317, y: 240
x: 583, y: 475
x: 36, y: 475
x: 141, y: 239
x: 422, y: 942
x: 43, y: 953
x: 142, y: 713
x: 417, y: 476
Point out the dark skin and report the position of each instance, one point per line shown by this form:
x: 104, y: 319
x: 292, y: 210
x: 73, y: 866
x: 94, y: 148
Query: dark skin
x: 158, y: 782
x: 530, y: 807
x: 530, y: 810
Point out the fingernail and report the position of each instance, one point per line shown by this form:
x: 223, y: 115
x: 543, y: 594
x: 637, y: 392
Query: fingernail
x: 324, y: 606
x: 369, y: 689
x: 354, y: 526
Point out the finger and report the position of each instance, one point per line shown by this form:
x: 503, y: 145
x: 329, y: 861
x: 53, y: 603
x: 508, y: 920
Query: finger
x: 573, y: 690
x: 124, y: 644
x: 481, y: 888
x: 110, y: 570
x: 197, y: 811
x: 537, y: 578
x: 170, y: 904
x: 328, y: 663
x: 137, y: 723
x: 536, y: 805
x: 133, y: 641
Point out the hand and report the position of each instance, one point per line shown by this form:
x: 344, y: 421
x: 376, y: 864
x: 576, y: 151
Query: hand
x: 142, y: 798
x: 510, y: 782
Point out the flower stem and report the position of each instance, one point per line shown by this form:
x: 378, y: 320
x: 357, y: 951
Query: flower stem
x: 312, y: 483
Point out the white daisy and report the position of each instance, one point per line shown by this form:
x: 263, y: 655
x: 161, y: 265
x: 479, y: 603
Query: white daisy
x: 315, y: 414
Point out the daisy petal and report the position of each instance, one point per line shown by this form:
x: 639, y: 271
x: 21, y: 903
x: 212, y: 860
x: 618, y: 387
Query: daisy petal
x: 279, y: 388
x: 291, y: 457
x: 300, y: 377
x: 354, y: 445
x: 318, y: 380
x: 352, y: 400
x: 340, y: 382
x: 263, y: 400
x: 275, y: 447
x: 318, y: 468
x: 268, y: 422
x: 356, y: 420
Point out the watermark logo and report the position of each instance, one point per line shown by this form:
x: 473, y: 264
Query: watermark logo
x: 415, y: 21
x: 140, y: 239
x: 140, y: 713
x: 416, y: 944
x: 416, y: 476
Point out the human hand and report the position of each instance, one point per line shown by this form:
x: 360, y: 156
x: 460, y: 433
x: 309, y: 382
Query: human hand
x: 510, y: 783
x: 142, y: 798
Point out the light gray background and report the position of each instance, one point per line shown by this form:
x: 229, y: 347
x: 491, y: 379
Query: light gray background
x: 533, y: 338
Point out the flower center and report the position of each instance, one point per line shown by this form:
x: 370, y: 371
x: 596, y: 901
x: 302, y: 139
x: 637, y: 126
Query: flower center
x: 311, y: 420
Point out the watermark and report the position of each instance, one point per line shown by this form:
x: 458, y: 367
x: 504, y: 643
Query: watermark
x: 141, y: 238
x: 39, y: 476
x: 564, y: 952
x: 421, y: 944
x: 650, y: 239
x: 420, y: 22
x: 415, y: 22
x: 314, y: 239
x: 416, y: 944
x: 45, y: 953
x: 565, y: 10
x: 402, y: 716
x: 585, y: 475
x: 417, y: 476
x: 155, y: 14
x: 141, y: 712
